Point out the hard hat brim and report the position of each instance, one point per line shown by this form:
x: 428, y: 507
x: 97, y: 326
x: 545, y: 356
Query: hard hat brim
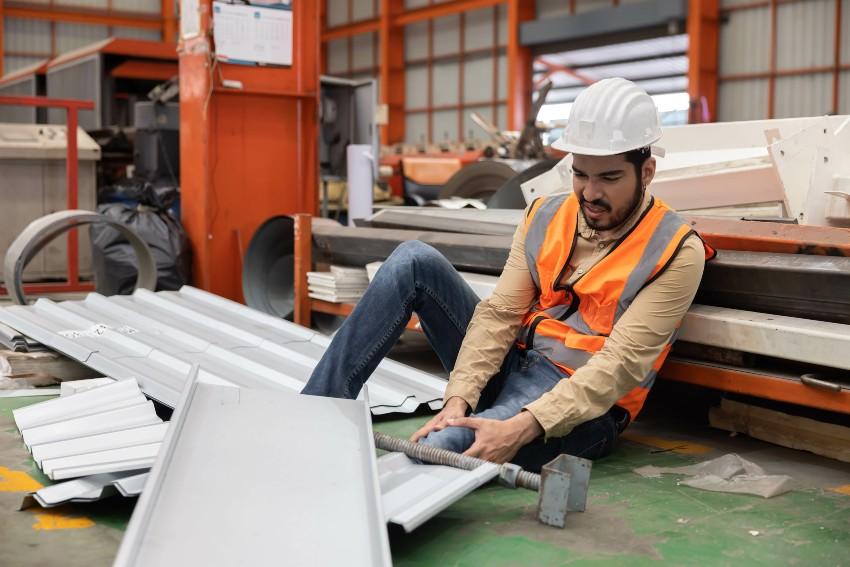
x: 559, y: 144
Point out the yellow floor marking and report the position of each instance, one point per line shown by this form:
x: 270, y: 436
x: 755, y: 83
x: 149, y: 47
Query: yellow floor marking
x: 845, y: 489
x: 54, y: 521
x: 672, y: 445
x: 17, y: 481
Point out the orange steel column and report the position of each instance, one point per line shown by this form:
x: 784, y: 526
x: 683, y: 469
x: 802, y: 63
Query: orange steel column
x: 519, y: 64
x: 2, y: 24
x: 703, y: 37
x: 248, y: 152
x: 391, y: 66
x: 169, y: 21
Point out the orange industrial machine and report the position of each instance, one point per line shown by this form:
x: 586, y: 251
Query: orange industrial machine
x: 248, y: 143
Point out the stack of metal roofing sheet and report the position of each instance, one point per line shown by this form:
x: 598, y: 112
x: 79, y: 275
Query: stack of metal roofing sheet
x: 157, y: 337
x: 307, y: 492
x: 109, y: 429
x: 88, y: 489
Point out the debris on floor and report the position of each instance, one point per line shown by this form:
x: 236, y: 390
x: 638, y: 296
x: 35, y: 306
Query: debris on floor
x: 729, y: 473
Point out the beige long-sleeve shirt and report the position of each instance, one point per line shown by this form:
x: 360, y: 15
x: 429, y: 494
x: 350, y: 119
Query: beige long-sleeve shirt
x: 629, y: 352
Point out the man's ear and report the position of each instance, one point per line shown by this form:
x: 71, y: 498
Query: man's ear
x: 647, y: 171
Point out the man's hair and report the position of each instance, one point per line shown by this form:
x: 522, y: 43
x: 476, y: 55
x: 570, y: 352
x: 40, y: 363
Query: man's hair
x: 637, y: 158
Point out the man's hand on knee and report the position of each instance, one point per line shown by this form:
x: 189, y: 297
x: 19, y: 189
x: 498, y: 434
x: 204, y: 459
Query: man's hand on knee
x: 454, y: 407
x: 498, y: 441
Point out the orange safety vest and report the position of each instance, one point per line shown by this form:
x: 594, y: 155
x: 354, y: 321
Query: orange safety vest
x: 570, y: 323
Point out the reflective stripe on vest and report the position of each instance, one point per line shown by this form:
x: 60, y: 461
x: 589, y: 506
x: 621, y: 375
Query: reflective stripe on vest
x: 569, y: 324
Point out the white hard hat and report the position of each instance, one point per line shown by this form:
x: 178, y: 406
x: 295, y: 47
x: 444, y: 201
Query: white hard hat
x: 610, y: 117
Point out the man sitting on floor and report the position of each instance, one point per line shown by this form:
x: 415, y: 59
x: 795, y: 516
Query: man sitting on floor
x: 561, y: 357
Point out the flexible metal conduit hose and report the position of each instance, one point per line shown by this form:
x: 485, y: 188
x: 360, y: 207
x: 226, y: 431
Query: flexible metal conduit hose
x: 427, y: 453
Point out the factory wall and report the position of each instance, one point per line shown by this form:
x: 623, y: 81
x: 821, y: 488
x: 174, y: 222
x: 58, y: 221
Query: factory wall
x: 29, y: 41
x: 787, y: 59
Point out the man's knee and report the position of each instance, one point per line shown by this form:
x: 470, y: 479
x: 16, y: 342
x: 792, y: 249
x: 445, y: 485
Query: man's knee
x: 416, y: 254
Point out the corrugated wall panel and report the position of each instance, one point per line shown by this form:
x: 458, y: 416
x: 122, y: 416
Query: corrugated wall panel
x: 730, y: 3
x: 503, y: 74
x: 844, y: 93
x: 445, y: 85
x: 478, y: 80
x: 447, y: 35
x: 478, y: 29
x: 845, y: 31
x: 745, y: 42
x: 34, y: 1
x: 363, y: 10
x: 413, y: 4
x: 416, y: 41
x: 742, y: 100
x: 13, y: 63
x: 138, y: 6
x: 337, y: 13
x: 99, y: 4
x: 364, y: 52
x: 444, y: 126
x: 74, y: 36
x: 416, y: 87
x: 552, y: 8
x: 806, y: 34
x: 471, y: 131
x: 30, y: 37
x: 137, y: 33
x: 416, y: 128
x: 589, y: 5
x: 502, y: 116
x: 804, y: 95
x: 337, y: 56
x: 503, y: 25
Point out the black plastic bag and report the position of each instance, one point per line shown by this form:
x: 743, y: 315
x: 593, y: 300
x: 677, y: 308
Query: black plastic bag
x: 115, y: 263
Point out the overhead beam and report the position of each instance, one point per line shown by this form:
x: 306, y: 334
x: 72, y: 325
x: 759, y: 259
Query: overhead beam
x: 84, y: 16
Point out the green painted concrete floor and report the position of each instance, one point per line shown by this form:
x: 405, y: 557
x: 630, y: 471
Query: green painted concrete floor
x: 630, y: 520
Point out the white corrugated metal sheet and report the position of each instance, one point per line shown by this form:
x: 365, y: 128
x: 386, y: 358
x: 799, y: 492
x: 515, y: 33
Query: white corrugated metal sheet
x: 337, y: 51
x: 804, y: 95
x: 74, y: 36
x: 416, y: 86
x: 729, y: 3
x: 137, y: 33
x: 590, y: 5
x: 552, y: 8
x: 27, y: 36
x: 416, y: 41
x: 806, y: 35
x: 844, y: 92
x: 138, y: 6
x: 478, y: 80
x: 444, y: 125
x: 364, y: 51
x: 101, y: 4
x: 478, y: 29
x: 745, y: 42
x: 416, y: 128
x: 445, y: 83
x: 446, y: 35
x: 845, y: 31
x: 363, y: 10
x: 157, y: 337
x: 337, y: 13
x: 742, y: 100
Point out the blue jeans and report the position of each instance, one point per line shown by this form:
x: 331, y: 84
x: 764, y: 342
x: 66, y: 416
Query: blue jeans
x: 418, y: 279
